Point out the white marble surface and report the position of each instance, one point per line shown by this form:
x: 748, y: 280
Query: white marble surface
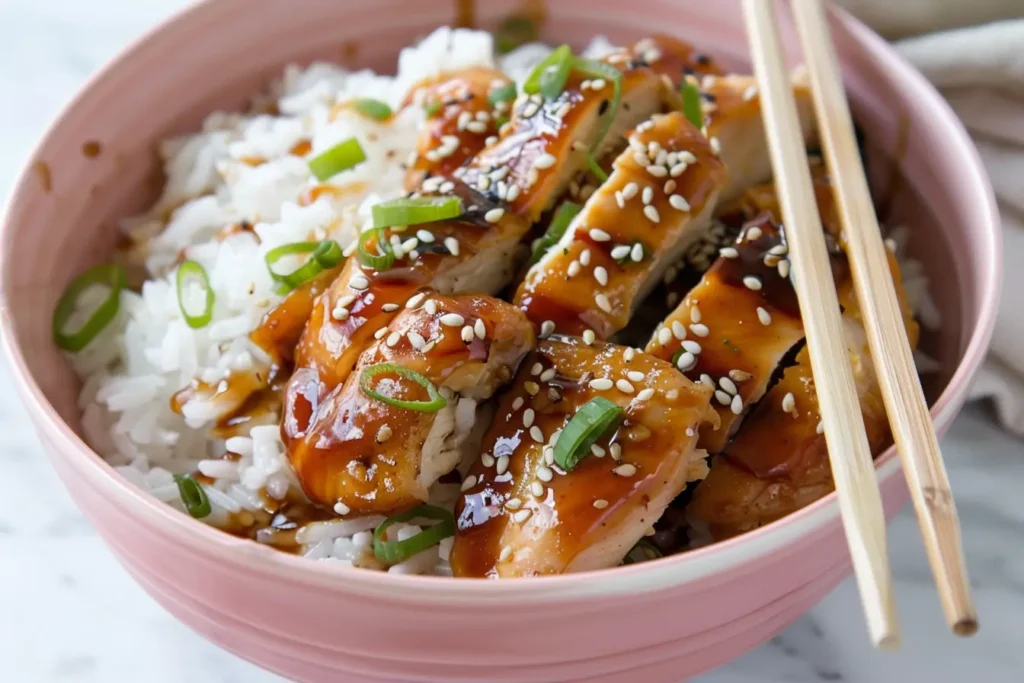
x: 69, y: 612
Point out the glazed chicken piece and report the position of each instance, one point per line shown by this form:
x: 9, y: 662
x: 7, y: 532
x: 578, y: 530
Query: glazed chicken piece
x: 735, y: 327
x: 521, y: 514
x: 473, y: 253
x: 674, y: 59
x: 778, y: 462
x: 460, y: 120
x: 657, y: 200
x: 544, y: 146
x: 364, y: 454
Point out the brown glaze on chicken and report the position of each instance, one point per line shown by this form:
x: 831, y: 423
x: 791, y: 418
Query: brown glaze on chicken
x: 460, y: 120
x: 523, y: 515
x: 674, y: 58
x: 657, y: 200
x: 370, y: 456
x: 281, y: 328
x: 778, y: 462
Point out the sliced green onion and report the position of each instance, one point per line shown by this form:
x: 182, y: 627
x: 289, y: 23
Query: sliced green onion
x: 503, y: 93
x: 341, y: 157
x: 435, y: 403
x: 596, y: 69
x: 385, y: 256
x: 193, y: 496
x: 187, y: 270
x: 691, y: 104
x: 563, y: 217
x: 595, y: 168
x: 500, y: 122
x: 415, y: 210
x: 110, y: 275
x: 516, y: 30
x: 595, y: 418
x: 548, y: 78
x: 393, y: 552
x: 374, y: 109
x: 643, y: 551
x: 325, y: 255
x: 432, y: 108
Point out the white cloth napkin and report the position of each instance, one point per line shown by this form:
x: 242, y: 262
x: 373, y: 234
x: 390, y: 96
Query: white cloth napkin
x: 979, y: 67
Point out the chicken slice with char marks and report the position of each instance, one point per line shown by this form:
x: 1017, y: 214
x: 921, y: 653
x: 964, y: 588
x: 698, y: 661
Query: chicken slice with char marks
x: 778, y: 462
x: 370, y: 456
x: 659, y: 196
x: 544, y: 145
x: 523, y: 515
x: 464, y: 120
x: 734, y: 328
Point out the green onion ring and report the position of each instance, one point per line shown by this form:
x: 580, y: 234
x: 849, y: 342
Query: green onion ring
x: 691, y: 104
x: 186, y: 270
x: 193, y: 496
x: 325, y: 255
x: 596, y: 169
x: 393, y: 552
x: 341, y: 157
x: 596, y: 69
x: 643, y: 551
x: 436, y: 402
x: 592, y: 420
x: 385, y: 256
x: 371, y: 108
x: 503, y: 93
x: 563, y: 217
x: 111, y: 275
x: 543, y: 81
x: 415, y: 210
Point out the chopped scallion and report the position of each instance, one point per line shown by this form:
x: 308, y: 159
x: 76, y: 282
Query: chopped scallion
x: 436, y: 402
x: 592, y: 420
x: 596, y: 69
x: 190, y: 270
x: 691, y: 104
x: 385, y: 256
x: 113, y: 278
x: 548, y: 78
x: 325, y: 255
x: 193, y: 496
x: 596, y: 169
x: 563, y: 217
x: 503, y: 93
x: 341, y: 157
x: 374, y: 109
x: 393, y: 552
x: 415, y: 210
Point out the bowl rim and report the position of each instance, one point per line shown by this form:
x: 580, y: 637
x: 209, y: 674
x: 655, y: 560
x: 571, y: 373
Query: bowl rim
x: 673, y: 571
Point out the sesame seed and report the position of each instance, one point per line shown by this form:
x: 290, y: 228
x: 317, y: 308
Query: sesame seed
x: 722, y: 397
x: 514, y: 503
x: 657, y: 171
x: 544, y: 161
x: 544, y: 473
x: 739, y: 375
x: 487, y: 460
x: 601, y: 384
x: 628, y: 354
x: 678, y: 330
x: 601, y: 275
x: 505, y: 554
x: 532, y: 388
x: 820, y: 429
x: 389, y: 308
x: 428, y: 346
x: 716, y: 146
x: 477, y: 126
x: 596, y: 451
x: 410, y: 244
x: 784, y: 268
x: 788, y: 402
x: 664, y: 336
x: 630, y: 190
x: 521, y: 516
x: 736, y: 406
x: 467, y: 333
x: 602, y: 302
x: 452, y: 245
x: 753, y: 233
x: 728, y: 252
x: 347, y: 300
x: 452, y: 320
x: 494, y: 215
x: 383, y: 434
x: 670, y: 186
x: 417, y: 340
x: 548, y: 375
x: 764, y: 316
x: 700, y: 329
x: 537, y: 489
x: 469, y: 482
x: 536, y: 434
x: 647, y: 195
x: 636, y: 376
x: 620, y: 252
x: 599, y: 235
x: 692, y: 346
x: 547, y: 328
x: 528, y: 416
x: 513, y: 193
x: 752, y: 282
x: 624, y: 386
x: 686, y: 361
x: 342, y: 509
x: 379, y: 334
x: 678, y: 169
x: 480, y: 329
x: 589, y: 337
x: 625, y: 470
x: 652, y: 214
x: 615, y: 450
x: 672, y: 394
x: 340, y: 313
x: 536, y: 369
x: 779, y: 250
x: 637, y: 253
x: 679, y: 203
x: 502, y: 464
x: 392, y: 339
x: 727, y: 384
x: 706, y: 379
x: 585, y: 257
x: 425, y: 236
x: 645, y: 394
x: 574, y: 269
x: 359, y: 282
x: 518, y: 403
x: 750, y: 93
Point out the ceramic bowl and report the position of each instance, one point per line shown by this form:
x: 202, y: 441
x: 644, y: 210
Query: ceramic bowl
x: 659, y: 621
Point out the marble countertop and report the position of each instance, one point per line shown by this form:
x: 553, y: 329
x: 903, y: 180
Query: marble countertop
x: 69, y: 612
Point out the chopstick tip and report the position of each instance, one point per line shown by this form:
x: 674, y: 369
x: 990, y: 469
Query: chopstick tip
x: 965, y: 627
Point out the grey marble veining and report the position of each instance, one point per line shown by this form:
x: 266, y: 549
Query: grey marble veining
x: 69, y: 612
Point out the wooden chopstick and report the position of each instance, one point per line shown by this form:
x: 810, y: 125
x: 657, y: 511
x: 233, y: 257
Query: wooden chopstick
x: 853, y: 470
x: 905, y: 404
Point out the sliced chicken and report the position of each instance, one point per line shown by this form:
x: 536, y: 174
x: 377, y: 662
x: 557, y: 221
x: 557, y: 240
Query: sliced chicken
x: 523, y: 515
x: 545, y: 144
x: 674, y: 58
x: 778, y: 462
x: 473, y: 253
x: 363, y: 454
x: 460, y: 120
x: 658, y: 199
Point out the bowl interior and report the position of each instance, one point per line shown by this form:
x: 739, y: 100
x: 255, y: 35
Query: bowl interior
x: 63, y: 214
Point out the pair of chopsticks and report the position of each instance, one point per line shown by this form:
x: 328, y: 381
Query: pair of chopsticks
x: 852, y: 468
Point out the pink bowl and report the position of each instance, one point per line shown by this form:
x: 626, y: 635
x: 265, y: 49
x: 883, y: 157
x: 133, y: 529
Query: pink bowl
x: 657, y: 621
